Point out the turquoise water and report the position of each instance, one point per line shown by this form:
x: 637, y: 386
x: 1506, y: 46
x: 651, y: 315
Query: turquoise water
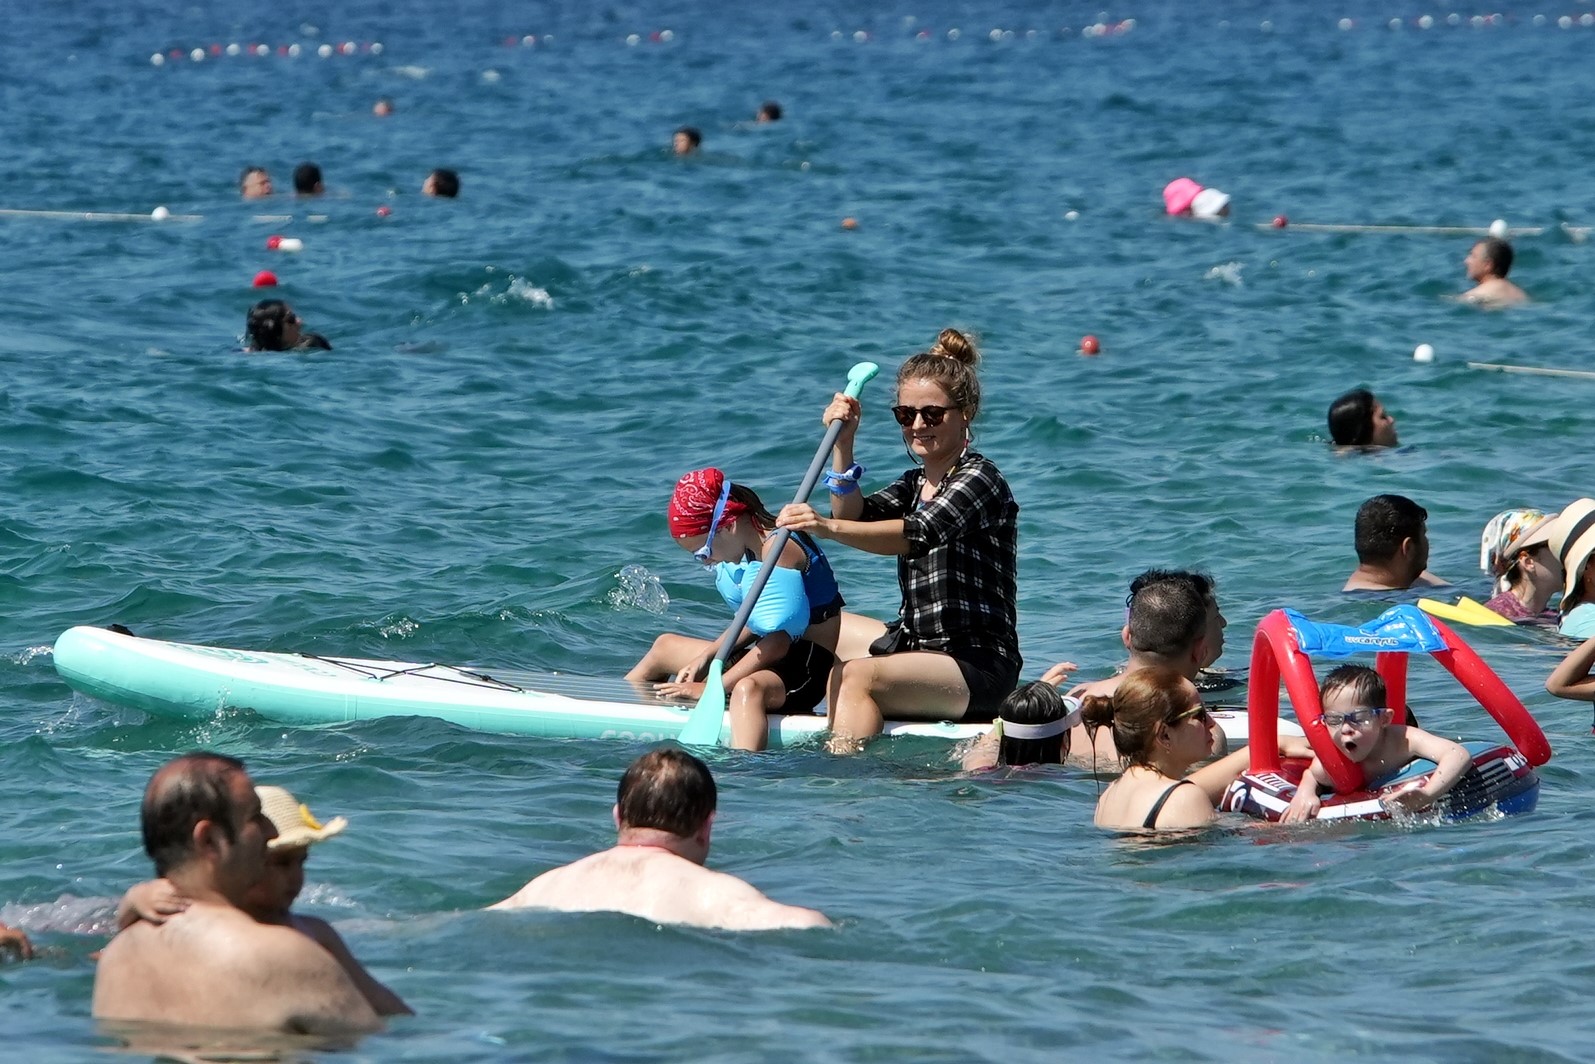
x: 520, y: 375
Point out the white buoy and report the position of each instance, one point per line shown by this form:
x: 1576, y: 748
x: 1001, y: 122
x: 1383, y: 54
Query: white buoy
x: 197, y: 55
x: 160, y: 214
x: 325, y: 51
x: 1423, y: 353
x: 1071, y: 216
x: 234, y: 49
x: 1499, y: 230
x: 157, y: 59
x: 1345, y: 24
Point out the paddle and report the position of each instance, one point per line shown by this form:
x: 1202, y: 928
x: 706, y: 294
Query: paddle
x: 703, y: 723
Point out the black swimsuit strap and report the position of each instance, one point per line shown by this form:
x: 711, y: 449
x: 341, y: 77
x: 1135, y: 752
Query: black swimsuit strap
x: 1157, y: 807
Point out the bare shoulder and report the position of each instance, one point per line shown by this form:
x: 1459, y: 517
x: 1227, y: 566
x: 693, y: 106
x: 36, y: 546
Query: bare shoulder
x: 737, y: 905
x: 542, y: 891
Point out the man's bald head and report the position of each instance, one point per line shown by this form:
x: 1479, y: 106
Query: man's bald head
x: 194, y: 787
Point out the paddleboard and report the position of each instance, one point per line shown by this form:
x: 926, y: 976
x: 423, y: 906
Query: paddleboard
x: 191, y: 682
x: 1466, y: 611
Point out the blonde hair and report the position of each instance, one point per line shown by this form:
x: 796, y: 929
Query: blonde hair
x: 949, y: 364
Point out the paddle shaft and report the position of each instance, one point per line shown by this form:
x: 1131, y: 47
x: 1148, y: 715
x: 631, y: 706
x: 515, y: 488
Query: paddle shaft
x: 772, y: 552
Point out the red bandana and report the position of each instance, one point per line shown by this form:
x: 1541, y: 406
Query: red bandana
x: 692, y: 504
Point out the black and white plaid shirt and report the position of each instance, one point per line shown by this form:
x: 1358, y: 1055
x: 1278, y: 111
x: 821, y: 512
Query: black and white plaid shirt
x: 959, y: 577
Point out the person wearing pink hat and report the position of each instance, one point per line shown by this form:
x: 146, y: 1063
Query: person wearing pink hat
x: 1184, y: 197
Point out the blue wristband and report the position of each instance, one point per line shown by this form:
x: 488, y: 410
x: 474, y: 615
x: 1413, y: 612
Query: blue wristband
x: 845, y: 482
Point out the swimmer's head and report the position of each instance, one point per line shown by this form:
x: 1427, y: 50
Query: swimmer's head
x: 1354, y: 712
x: 1392, y: 532
x: 715, y: 519
x: 666, y: 790
x: 382, y: 108
x: 272, y: 325
x: 441, y: 182
x: 1491, y: 257
x: 686, y: 140
x: 1358, y: 419
x: 1035, y: 721
x: 254, y: 183
x: 769, y: 111
x: 1515, y: 549
x: 307, y: 180
x: 1173, y: 618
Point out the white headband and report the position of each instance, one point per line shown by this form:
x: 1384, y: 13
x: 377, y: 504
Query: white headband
x: 1014, y: 730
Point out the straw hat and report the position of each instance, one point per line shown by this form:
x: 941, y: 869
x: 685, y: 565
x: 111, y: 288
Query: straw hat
x: 295, y: 825
x: 1571, y: 537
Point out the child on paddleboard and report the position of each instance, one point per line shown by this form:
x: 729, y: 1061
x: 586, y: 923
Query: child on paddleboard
x: 784, y: 656
x: 1354, y: 699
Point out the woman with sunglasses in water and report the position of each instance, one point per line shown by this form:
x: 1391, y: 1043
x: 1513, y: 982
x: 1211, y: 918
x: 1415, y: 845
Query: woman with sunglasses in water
x: 787, y: 650
x: 1161, y: 729
x: 272, y: 325
x: 952, y: 524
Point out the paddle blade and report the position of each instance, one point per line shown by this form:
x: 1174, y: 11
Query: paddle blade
x: 703, y: 723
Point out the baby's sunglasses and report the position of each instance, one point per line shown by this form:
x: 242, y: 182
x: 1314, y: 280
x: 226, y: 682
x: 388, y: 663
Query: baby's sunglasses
x: 1356, y: 717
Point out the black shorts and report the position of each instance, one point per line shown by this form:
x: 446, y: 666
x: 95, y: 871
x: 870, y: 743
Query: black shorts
x: 805, y: 673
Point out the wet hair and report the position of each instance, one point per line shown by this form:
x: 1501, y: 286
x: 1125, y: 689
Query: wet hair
x: 694, y: 137
x: 1351, y: 419
x: 445, y: 183
x: 1168, y: 615
x: 264, y: 327
x: 950, y: 364
x: 770, y: 111
x: 1145, y: 699
x: 1366, y: 685
x: 1499, y: 253
x: 1034, y: 703
x: 667, y: 790
x: 1383, y: 522
x: 243, y: 178
x: 183, y: 792
x: 306, y: 177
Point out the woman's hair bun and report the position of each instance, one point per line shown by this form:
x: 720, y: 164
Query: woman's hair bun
x: 956, y: 346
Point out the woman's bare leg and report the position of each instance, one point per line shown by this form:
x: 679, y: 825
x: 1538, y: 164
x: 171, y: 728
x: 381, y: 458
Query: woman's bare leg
x: 914, y: 685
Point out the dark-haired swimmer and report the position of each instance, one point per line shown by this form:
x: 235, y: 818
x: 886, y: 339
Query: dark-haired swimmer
x: 272, y: 325
x: 769, y: 111
x: 952, y: 524
x: 1488, y: 263
x: 1392, y: 540
x: 664, y: 812
x: 1032, y: 728
x: 441, y: 182
x: 1172, y: 620
x: 686, y: 140
x: 1358, y: 419
x: 307, y: 180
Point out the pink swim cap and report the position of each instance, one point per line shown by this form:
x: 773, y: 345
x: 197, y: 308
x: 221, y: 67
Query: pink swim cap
x: 1178, y: 194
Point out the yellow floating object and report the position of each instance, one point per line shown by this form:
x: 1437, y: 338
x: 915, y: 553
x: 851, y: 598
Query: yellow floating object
x: 1466, y: 611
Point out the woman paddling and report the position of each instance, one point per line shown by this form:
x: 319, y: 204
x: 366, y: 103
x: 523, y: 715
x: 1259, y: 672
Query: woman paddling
x: 1161, y: 729
x: 951, y: 522
x: 789, y: 644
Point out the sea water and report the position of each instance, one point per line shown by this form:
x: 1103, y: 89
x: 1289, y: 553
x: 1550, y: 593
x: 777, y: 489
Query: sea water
x: 477, y: 473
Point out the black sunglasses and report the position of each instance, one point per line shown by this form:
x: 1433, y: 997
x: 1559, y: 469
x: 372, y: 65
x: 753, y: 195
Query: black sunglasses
x: 932, y: 415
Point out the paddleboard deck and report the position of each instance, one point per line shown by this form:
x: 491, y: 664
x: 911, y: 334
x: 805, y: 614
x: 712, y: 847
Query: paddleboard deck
x: 192, y: 682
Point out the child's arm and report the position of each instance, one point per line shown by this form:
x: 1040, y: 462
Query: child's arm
x: 151, y: 901
x: 1572, y: 679
x: 1306, y: 803
x: 983, y: 753
x: 1452, y: 761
